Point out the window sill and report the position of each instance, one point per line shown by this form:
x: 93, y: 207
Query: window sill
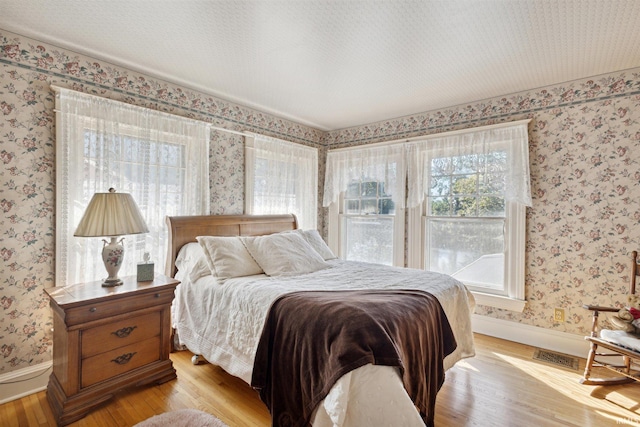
x: 499, y: 301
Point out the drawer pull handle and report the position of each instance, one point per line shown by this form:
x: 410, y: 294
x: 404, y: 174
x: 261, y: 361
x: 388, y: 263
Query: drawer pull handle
x: 157, y: 295
x: 124, y: 332
x: 93, y: 309
x: 123, y: 359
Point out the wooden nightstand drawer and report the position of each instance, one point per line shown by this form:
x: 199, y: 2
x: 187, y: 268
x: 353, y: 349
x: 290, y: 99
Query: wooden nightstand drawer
x: 118, y: 334
x: 120, y: 360
x: 110, y: 308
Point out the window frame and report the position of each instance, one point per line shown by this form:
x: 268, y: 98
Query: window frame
x: 138, y: 241
x: 72, y: 198
x: 336, y: 220
x: 512, y: 296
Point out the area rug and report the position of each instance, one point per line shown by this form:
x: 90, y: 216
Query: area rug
x: 182, y: 418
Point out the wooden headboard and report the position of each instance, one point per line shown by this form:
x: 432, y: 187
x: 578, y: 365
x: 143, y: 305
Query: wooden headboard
x: 185, y: 229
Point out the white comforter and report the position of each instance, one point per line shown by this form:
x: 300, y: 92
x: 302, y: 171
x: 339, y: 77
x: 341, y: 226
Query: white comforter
x: 223, y: 323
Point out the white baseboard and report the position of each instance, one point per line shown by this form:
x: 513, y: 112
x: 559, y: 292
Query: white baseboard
x: 560, y: 342
x: 24, y: 382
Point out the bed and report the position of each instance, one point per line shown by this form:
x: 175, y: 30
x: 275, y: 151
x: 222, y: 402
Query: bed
x: 222, y: 317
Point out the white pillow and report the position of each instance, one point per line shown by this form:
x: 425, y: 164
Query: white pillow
x: 191, y: 262
x: 188, y: 254
x: 313, y: 238
x: 284, y: 254
x: 200, y: 269
x: 227, y: 257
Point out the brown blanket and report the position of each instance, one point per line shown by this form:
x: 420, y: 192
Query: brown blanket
x: 311, y: 339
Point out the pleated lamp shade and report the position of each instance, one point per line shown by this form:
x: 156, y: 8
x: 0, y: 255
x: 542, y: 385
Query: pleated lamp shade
x: 111, y: 214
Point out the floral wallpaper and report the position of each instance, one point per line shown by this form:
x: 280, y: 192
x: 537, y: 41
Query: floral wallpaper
x: 27, y: 170
x: 584, y: 140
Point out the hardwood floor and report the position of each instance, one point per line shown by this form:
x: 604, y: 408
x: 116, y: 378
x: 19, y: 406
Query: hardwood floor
x: 502, y: 386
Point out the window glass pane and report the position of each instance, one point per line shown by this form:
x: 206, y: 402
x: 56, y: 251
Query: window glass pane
x: 491, y: 184
x: 130, y: 149
x: 386, y: 207
x: 441, y: 166
x: 259, y: 184
x: 464, y: 184
x: 352, y: 206
x: 464, y: 164
x: 154, y: 152
x: 130, y: 177
x: 369, y: 239
x: 439, y: 206
x: 470, y: 250
x: 289, y: 180
x: 284, y: 190
x: 353, y: 190
x: 172, y: 176
x: 171, y: 155
x: 112, y: 144
x: 381, y: 190
x: 496, y: 161
x: 465, y: 206
x: 369, y: 189
x: 491, y: 206
x: 440, y: 186
x: 370, y: 206
x: 89, y: 144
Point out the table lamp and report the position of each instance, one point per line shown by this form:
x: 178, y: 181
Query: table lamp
x: 111, y: 215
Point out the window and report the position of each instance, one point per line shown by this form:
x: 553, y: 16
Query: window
x: 465, y: 219
x: 368, y: 219
x: 365, y: 194
x: 161, y: 159
x: 472, y: 217
x: 282, y: 178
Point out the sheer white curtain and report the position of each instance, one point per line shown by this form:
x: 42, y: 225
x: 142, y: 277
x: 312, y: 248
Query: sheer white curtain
x: 511, y: 138
x: 161, y: 159
x: 281, y: 178
x: 378, y: 164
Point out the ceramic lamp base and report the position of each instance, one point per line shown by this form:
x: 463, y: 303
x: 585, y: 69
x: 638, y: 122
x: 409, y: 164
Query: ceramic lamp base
x: 112, y: 255
x: 109, y: 283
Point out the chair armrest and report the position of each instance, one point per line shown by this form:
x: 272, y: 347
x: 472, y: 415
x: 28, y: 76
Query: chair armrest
x: 599, y: 308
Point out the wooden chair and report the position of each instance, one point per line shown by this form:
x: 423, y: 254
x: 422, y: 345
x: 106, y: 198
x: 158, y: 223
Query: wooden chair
x: 622, y: 349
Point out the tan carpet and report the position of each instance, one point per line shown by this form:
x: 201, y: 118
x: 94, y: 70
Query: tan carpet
x: 182, y: 418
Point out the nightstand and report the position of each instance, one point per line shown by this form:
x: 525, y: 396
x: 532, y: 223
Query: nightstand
x: 106, y: 339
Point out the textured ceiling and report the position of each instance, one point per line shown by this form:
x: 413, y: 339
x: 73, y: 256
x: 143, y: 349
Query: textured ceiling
x: 336, y: 64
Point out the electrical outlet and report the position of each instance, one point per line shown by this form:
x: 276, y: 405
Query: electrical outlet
x: 558, y: 315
